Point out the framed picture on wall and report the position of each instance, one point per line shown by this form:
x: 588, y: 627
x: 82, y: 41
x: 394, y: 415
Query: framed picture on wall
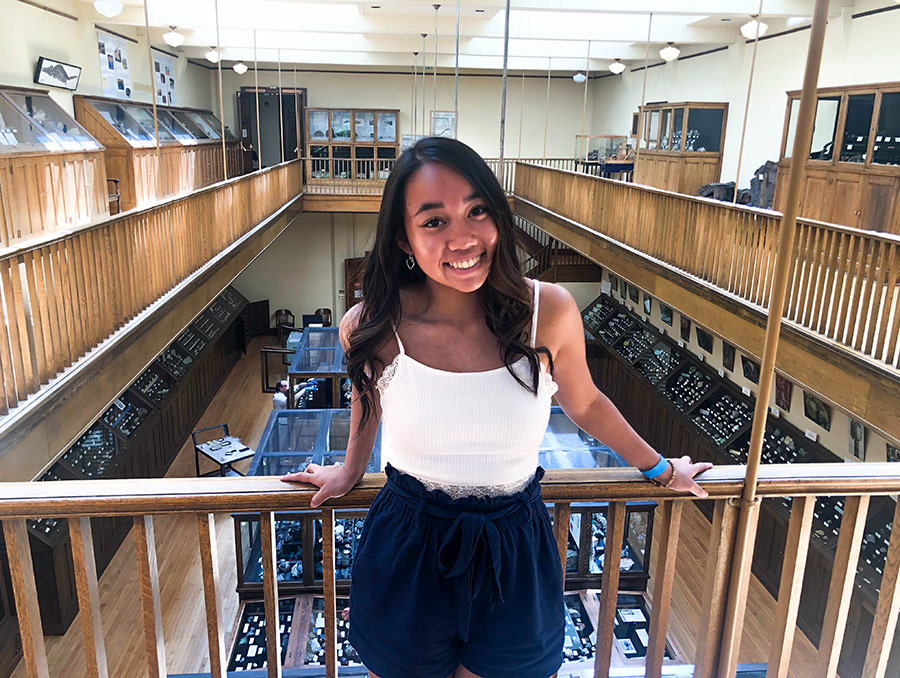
x: 56, y: 74
x: 784, y: 390
x: 817, y: 411
x: 443, y: 124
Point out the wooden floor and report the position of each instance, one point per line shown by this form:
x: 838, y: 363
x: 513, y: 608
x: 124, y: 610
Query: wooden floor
x: 246, y: 409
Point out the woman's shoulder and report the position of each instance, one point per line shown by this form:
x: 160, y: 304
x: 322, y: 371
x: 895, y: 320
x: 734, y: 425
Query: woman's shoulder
x: 558, y: 314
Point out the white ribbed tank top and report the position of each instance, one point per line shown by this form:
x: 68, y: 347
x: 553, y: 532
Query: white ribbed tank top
x: 464, y: 429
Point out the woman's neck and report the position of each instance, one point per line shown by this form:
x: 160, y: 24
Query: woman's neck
x: 442, y: 304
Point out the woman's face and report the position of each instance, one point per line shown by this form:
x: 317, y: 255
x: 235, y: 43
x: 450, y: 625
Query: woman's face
x: 448, y: 228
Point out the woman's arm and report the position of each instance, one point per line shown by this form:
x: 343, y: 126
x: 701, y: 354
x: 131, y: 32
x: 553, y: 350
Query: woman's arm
x: 336, y: 481
x: 561, y: 330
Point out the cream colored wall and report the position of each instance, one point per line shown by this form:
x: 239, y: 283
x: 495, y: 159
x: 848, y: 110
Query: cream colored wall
x: 856, y: 51
x: 27, y: 32
x: 304, y: 268
x: 479, y: 105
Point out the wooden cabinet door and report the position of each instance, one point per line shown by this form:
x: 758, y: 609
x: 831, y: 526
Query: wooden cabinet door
x: 846, y: 192
x: 815, y: 201
x: 879, y: 205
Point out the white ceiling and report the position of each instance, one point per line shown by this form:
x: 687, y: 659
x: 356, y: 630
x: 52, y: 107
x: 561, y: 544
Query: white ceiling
x: 348, y: 33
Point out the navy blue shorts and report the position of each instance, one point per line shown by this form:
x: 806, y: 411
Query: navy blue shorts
x: 440, y: 582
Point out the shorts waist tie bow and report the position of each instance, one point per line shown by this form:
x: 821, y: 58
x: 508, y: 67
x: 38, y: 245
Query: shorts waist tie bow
x: 470, y: 552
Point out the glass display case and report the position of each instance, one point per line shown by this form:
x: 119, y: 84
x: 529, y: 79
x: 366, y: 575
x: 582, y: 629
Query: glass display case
x: 680, y: 145
x: 350, y: 144
x: 319, y: 356
x: 387, y: 126
x: 294, y: 438
x: 127, y: 127
x: 58, y: 129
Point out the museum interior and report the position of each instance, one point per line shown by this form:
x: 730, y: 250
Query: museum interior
x: 189, y: 190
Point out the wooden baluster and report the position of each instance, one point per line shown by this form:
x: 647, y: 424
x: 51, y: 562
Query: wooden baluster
x: 16, y: 303
x: 270, y: 593
x: 891, y: 274
x: 151, y: 610
x: 329, y: 591
x: 21, y: 571
x: 718, y: 567
x: 876, y: 292
x: 664, y: 580
x: 885, y: 623
x: 561, y: 512
x: 209, y: 566
x: 38, y: 314
x: 792, y: 569
x: 612, y: 556
x: 88, y: 597
x: 843, y: 576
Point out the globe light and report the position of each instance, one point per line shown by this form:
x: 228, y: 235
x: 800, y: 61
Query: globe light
x: 240, y: 68
x: 212, y: 55
x: 749, y: 29
x: 669, y: 52
x: 108, y: 8
x: 579, y: 78
x: 173, y: 38
x: 617, y: 67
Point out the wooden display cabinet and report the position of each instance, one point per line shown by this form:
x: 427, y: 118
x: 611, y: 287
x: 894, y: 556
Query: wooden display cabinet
x: 190, y: 148
x: 52, y: 172
x: 852, y: 174
x: 351, y: 144
x: 680, y: 145
x: 138, y: 436
x: 640, y: 375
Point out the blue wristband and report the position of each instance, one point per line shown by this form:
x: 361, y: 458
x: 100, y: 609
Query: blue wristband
x: 657, y: 470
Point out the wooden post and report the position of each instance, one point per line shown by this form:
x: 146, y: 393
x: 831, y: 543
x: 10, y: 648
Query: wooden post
x: 148, y: 575
x: 88, y: 597
x: 21, y: 571
x: 209, y: 565
x: 749, y: 511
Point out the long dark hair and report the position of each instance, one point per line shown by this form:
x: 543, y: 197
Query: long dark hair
x: 505, y: 297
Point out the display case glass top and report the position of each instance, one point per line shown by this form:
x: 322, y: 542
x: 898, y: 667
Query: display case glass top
x: 319, y: 352
x: 31, y: 122
x: 683, y: 128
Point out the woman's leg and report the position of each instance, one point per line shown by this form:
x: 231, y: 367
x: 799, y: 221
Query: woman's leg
x: 463, y: 672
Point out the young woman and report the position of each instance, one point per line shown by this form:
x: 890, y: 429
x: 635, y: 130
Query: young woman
x: 458, y: 355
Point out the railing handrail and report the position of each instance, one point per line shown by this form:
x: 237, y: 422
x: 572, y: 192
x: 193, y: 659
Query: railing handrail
x: 746, y: 209
x: 53, y: 237
x: 268, y: 493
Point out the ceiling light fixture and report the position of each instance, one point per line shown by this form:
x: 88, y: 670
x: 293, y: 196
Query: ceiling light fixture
x: 579, y: 78
x: 749, y: 29
x: 617, y: 67
x: 212, y: 55
x: 240, y: 68
x: 108, y: 8
x: 173, y: 38
x: 669, y: 52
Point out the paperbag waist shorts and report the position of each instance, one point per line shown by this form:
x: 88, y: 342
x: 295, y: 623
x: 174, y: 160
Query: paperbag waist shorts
x: 438, y: 582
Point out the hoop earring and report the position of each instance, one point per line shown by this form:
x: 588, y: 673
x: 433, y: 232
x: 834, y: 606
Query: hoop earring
x: 410, y: 261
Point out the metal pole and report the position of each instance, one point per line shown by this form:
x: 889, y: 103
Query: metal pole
x: 256, y: 94
x: 434, y: 80
x: 456, y: 79
x: 587, y: 79
x: 280, y: 108
x: 749, y: 504
x: 521, y: 113
x: 547, y: 108
x: 424, y: 57
x: 159, y: 172
x: 221, y: 101
x: 297, y: 112
x: 503, y: 95
x: 415, y: 108
x: 737, y: 175
x: 637, y: 152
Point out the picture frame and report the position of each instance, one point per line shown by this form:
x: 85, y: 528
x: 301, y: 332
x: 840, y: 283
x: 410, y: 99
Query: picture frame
x: 857, y: 439
x: 817, y: 411
x: 665, y: 314
x: 750, y: 368
x: 443, y: 124
x: 891, y: 453
x: 784, y: 390
x: 685, y: 328
x: 53, y: 73
x: 704, y: 339
x: 728, y: 356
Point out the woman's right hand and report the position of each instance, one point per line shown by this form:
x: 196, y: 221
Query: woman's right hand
x: 332, y: 481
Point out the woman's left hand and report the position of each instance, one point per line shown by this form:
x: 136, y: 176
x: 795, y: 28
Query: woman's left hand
x: 685, y: 472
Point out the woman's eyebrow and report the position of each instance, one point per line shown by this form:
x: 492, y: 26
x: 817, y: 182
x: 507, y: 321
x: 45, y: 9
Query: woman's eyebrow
x: 438, y: 205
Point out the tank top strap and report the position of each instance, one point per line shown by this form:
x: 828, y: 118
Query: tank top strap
x: 397, y: 337
x: 534, y: 315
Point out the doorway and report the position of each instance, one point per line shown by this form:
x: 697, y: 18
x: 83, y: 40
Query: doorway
x: 280, y: 133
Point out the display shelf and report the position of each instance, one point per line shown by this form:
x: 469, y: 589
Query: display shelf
x: 176, y: 361
x: 658, y: 363
x: 207, y: 324
x: 126, y: 414
x: 577, y: 645
x: 780, y: 446
x: 597, y: 313
x: 634, y: 341
x: 193, y: 341
x: 618, y: 324
x: 315, y: 646
x: 92, y: 456
x: 631, y: 628
x: 250, y: 646
x: 722, y: 416
x: 687, y: 386
x: 50, y: 530
x: 155, y: 384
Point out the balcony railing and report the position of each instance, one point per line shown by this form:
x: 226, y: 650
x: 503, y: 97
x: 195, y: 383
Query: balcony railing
x: 79, y: 500
x: 65, y: 293
x: 844, y: 282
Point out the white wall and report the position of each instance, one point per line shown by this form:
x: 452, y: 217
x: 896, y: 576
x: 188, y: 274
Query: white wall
x: 857, y: 51
x: 479, y: 105
x: 303, y: 269
x: 27, y: 32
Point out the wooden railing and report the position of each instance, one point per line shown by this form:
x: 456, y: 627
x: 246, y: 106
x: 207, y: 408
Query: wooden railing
x: 66, y: 293
x: 844, y: 282
x: 79, y: 500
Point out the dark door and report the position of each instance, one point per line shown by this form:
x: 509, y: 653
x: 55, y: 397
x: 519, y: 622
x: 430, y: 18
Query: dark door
x: 281, y: 132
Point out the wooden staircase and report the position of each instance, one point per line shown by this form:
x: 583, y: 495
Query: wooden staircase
x: 545, y: 258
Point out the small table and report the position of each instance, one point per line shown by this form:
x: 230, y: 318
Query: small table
x: 223, y: 451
